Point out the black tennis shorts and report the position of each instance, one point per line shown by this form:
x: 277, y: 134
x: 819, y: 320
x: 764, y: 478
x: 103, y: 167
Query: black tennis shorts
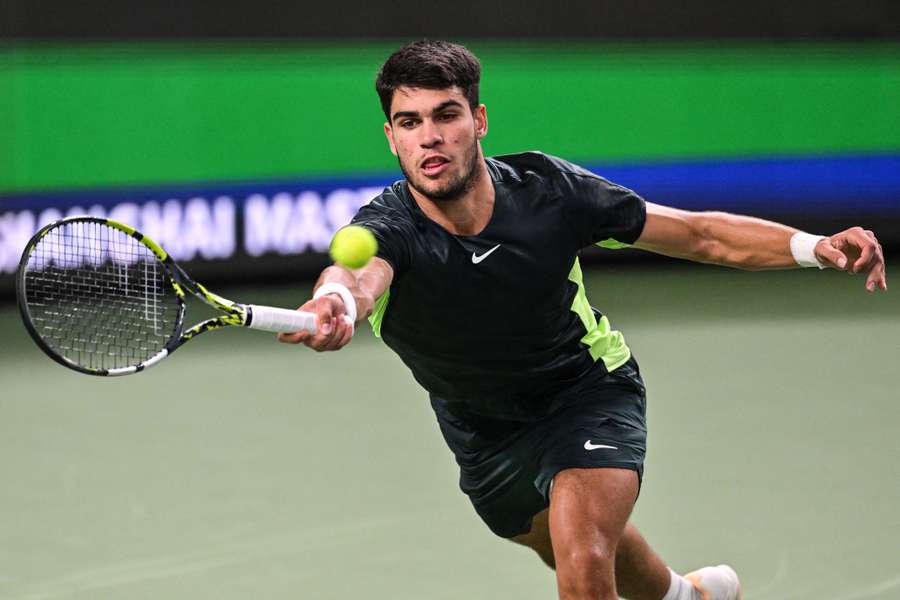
x: 507, y: 467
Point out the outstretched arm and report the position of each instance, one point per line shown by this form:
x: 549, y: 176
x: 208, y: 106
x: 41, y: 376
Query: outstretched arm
x: 364, y: 285
x: 755, y: 244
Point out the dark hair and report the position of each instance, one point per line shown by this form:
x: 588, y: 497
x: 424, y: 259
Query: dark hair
x: 433, y: 65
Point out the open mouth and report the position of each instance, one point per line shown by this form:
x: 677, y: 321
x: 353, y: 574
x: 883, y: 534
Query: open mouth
x: 434, y: 165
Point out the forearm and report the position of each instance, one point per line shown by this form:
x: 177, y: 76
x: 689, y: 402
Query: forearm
x: 718, y: 238
x: 756, y: 244
x: 743, y: 242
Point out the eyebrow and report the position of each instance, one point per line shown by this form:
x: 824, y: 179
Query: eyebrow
x: 412, y: 113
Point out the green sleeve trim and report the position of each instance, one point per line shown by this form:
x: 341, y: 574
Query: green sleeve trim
x: 378, y: 312
x: 603, y: 342
x: 611, y: 244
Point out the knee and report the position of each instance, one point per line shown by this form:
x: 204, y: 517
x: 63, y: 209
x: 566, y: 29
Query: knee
x: 586, y: 573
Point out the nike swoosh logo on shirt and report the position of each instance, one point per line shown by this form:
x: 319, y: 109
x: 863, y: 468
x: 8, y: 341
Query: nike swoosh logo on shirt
x: 477, y: 259
x: 589, y: 446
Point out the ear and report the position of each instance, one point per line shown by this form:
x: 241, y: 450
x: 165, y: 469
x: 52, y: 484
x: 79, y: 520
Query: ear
x: 481, y: 121
x: 389, y: 134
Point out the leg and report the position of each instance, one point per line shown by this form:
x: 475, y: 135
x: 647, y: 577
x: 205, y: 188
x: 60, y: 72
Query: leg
x: 538, y: 539
x: 588, y: 512
x: 640, y: 573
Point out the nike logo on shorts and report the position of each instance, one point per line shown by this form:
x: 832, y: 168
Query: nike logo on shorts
x: 589, y: 446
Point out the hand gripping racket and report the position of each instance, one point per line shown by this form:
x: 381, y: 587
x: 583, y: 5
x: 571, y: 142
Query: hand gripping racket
x: 103, y: 299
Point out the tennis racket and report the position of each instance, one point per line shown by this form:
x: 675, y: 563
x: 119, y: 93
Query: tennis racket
x: 103, y: 299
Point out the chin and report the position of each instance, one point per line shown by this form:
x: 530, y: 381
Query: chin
x: 444, y: 193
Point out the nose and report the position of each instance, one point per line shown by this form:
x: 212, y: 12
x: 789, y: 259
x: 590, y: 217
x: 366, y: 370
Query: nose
x: 431, y: 134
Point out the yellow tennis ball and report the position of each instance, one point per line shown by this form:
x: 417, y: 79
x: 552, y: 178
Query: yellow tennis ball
x: 353, y: 246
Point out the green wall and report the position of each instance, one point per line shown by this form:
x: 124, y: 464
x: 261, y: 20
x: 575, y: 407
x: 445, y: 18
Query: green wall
x: 101, y: 115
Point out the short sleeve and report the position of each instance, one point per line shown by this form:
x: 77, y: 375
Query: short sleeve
x: 392, y: 230
x: 600, y: 211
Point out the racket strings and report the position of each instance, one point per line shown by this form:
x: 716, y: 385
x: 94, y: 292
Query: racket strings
x: 99, y: 297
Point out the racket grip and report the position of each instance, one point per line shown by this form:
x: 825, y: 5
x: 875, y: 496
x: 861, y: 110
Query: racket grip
x: 280, y: 320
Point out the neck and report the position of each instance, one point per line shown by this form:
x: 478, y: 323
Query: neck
x: 467, y: 215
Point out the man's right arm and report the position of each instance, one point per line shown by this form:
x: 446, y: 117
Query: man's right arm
x: 365, y: 285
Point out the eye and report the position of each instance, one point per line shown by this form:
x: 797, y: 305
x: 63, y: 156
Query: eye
x: 408, y: 123
x: 447, y: 116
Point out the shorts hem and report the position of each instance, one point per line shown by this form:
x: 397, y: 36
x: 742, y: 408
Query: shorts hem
x: 544, y: 483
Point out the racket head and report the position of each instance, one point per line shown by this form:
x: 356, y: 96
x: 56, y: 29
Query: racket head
x: 99, y: 297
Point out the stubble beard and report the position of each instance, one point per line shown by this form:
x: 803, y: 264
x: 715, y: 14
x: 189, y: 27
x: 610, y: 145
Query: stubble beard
x: 456, y: 187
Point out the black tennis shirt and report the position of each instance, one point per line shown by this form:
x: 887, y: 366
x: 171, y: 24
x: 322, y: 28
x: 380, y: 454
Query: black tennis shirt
x: 494, y: 323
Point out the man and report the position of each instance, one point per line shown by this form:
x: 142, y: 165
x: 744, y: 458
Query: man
x: 477, y: 287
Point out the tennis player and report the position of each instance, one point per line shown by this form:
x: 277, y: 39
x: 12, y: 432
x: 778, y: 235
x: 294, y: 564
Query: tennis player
x: 478, y: 289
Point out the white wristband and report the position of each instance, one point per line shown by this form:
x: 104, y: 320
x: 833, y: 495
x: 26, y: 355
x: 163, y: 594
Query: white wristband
x: 341, y: 290
x: 803, y: 247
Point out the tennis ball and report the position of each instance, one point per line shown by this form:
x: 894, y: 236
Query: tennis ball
x: 353, y: 246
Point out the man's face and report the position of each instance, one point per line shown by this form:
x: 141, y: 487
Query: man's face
x: 435, y: 136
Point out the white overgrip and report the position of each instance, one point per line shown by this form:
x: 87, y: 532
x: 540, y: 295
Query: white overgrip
x: 281, y: 320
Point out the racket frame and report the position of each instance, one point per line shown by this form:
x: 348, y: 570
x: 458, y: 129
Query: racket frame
x: 233, y: 314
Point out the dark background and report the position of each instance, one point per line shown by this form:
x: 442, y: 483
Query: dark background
x: 657, y: 19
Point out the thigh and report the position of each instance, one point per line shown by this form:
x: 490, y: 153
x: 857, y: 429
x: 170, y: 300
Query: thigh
x: 589, y: 509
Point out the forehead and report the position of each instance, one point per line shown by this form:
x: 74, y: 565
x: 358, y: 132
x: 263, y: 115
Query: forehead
x: 423, y: 100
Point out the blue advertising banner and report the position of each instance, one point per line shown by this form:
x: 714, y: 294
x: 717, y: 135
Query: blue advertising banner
x: 246, y: 225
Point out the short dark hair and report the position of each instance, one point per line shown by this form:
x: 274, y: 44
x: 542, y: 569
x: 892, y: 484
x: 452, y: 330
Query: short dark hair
x: 429, y: 64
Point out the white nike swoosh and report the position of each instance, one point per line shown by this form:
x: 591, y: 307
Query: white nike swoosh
x: 589, y: 446
x: 477, y: 259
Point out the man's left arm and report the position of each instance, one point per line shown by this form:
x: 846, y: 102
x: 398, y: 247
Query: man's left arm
x: 756, y: 244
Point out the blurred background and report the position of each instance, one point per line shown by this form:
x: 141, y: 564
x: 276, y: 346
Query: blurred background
x: 241, y: 137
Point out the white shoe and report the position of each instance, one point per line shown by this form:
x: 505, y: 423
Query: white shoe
x: 716, y: 583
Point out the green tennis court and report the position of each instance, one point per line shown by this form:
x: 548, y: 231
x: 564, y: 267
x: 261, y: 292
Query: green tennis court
x: 241, y: 468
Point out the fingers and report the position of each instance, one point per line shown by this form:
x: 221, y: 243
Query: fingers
x: 334, y: 328
x: 828, y: 251
x: 333, y: 337
x: 871, y: 259
x: 866, y: 252
x: 342, y: 335
x: 293, y: 338
x: 860, y: 252
x: 877, y: 278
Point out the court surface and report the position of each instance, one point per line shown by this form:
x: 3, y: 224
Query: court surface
x: 241, y: 468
